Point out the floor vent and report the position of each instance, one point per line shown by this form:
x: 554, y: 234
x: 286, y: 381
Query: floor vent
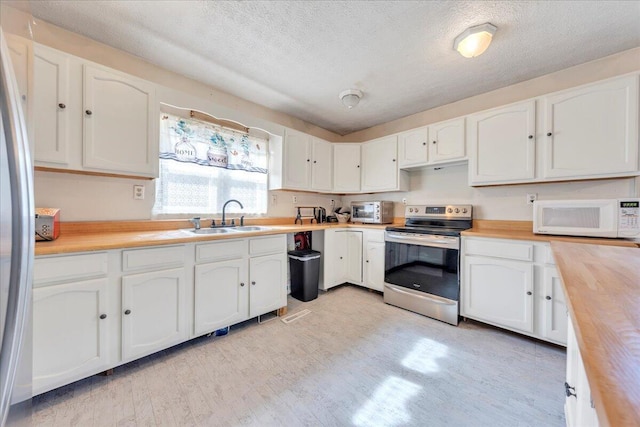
x: 295, y: 316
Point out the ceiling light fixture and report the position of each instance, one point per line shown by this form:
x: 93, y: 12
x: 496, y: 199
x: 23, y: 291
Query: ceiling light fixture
x: 474, y: 40
x: 350, y: 97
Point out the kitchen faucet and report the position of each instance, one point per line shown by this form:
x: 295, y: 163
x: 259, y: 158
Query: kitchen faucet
x: 224, y: 207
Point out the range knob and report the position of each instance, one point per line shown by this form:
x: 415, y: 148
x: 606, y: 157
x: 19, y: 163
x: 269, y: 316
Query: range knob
x: 410, y: 209
x: 464, y: 210
x: 457, y: 210
x: 449, y: 210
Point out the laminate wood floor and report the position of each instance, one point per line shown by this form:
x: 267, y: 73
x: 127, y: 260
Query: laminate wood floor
x: 353, y: 361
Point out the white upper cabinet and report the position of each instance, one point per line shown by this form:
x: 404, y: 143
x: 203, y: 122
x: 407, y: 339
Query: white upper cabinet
x: 413, y: 149
x: 592, y: 131
x: 502, y: 144
x: 322, y: 165
x: 120, y: 123
x: 447, y: 141
x: 346, y: 168
x: 380, y: 164
x: 53, y: 107
x: 20, y: 52
x: 297, y: 160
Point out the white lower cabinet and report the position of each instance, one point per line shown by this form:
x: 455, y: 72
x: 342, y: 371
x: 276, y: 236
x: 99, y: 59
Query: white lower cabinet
x: 268, y: 277
x: 342, y: 258
x: 512, y: 284
x: 70, y: 339
x: 221, y: 295
x: 154, y: 311
x: 579, y: 410
x: 374, y: 259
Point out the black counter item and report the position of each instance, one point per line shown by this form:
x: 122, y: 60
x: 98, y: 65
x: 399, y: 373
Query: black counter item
x: 305, y: 274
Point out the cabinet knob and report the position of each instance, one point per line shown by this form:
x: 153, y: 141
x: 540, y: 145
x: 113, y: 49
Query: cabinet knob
x: 127, y: 312
x: 315, y: 161
x: 548, y: 298
x: 340, y: 257
x: 434, y: 142
x: 358, y: 165
x: 367, y: 261
x: 394, y: 160
x: 529, y: 293
x: 253, y: 283
x: 103, y: 316
x: 62, y: 106
x: 424, y: 143
x: 530, y: 137
x: 548, y: 133
x: 308, y: 160
x: 242, y: 284
x: 88, y: 112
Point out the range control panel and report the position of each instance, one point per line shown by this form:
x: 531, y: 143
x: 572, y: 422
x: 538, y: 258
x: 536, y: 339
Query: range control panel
x: 439, y: 211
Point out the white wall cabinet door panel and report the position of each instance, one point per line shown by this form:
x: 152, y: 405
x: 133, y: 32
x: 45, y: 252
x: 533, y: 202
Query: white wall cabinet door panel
x: 447, y: 141
x: 374, y: 266
x: 297, y: 160
x: 592, y: 131
x: 554, y: 307
x: 70, y: 339
x: 268, y: 289
x: 354, y: 257
x: 502, y: 144
x: 53, y: 108
x: 120, y: 123
x: 154, y: 311
x: 221, y: 295
x: 499, y: 291
x: 321, y: 168
x: 413, y: 148
x: 380, y: 164
x: 346, y: 168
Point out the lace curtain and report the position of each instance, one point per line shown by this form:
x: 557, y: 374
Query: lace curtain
x: 202, y: 165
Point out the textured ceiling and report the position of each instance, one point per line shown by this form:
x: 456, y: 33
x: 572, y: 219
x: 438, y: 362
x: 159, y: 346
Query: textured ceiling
x: 297, y: 56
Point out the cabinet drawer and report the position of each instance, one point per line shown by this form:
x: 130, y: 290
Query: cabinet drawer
x: 548, y: 255
x: 220, y: 251
x: 268, y: 245
x: 68, y: 268
x: 499, y: 249
x: 164, y: 257
x: 374, y: 235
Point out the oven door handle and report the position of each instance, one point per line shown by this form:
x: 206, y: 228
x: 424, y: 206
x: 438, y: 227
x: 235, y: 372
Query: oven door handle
x: 432, y: 298
x: 452, y: 243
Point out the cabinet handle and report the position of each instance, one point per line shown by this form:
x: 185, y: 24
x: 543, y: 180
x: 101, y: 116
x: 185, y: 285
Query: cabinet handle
x: 548, y: 298
x: 253, y: 283
x: 530, y: 136
x: 88, y: 112
x: 242, y: 284
x: 548, y: 133
x: 127, y: 312
x: 62, y: 106
x: 567, y: 390
x: 103, y: 316
x: 529, y: 293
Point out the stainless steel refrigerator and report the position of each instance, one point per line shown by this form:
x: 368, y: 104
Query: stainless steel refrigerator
x: 16, y: 248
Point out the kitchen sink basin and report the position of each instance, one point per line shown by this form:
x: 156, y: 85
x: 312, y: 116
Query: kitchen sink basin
x: 251, y: 228
x: 210, y: 231
x: 223, y: 230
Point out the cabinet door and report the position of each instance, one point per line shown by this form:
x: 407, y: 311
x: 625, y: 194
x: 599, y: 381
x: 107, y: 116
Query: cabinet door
x: 447, y: 141
x: 70, y: 339
x: 120, y: 123
x: 52, y: 105
x: 502, y: 144
x: 592, y: 131
x: 354, y: 257
x: 499, y: 292
x: 154, y: 312
x: 268, y: 290
x: 297, y: 160
x: 321, y: 170
x: 221, y: 295
x: 20, y: 53
x: 412, y: 147
x: 379, y: 164
x: 374, y: 266
x: 346, y: 167
x: 554, y: 310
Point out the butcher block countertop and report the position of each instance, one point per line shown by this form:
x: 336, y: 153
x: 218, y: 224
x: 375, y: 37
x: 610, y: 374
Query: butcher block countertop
x: 523, y: 230
x: 97, y: 236
x: 602, y: 285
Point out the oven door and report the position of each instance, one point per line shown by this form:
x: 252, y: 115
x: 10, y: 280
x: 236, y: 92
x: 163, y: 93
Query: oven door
x: 426, y: 264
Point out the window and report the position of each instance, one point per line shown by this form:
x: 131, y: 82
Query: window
x: 202, y: 165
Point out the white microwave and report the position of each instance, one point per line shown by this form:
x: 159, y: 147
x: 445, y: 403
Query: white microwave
x: 597, y: 218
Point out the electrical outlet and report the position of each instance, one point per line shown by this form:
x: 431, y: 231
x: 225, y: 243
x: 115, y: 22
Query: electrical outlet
x: 274, y: 199
x: 294, y: 199
x: 138, y: 192
x: 404, y: 201
x: 531, y: 197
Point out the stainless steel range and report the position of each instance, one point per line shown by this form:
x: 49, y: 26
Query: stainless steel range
x: 422, y: 260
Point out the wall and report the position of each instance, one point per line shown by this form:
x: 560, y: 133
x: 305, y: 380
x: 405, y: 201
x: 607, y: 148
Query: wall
x: 449, y: 185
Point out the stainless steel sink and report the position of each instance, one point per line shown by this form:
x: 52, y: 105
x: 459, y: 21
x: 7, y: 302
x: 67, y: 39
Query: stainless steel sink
x: 210, y: 231
x: 223, y: 230
x: 251, y: 228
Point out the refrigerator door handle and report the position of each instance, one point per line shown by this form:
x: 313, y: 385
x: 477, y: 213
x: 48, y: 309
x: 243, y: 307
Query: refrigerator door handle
x: 22, y: 235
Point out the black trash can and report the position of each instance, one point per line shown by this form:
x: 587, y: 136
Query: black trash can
x: 305, y: 274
